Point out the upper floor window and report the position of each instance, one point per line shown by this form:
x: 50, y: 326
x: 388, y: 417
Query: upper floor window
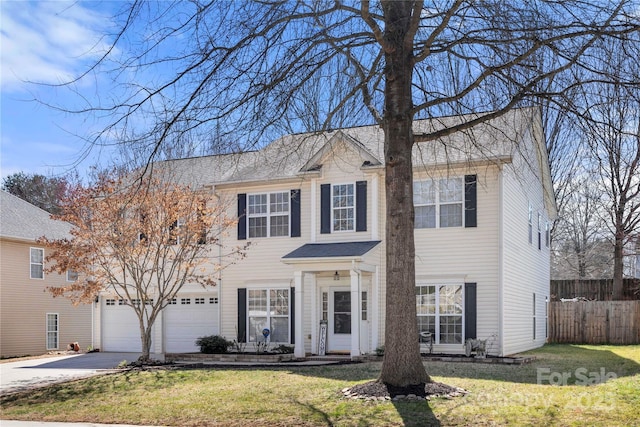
x: 268, y: 214
x: 539, y: 231
x: 37, y: 263
x: 343, y: 207
x: 547, y: 234
x: 438, y: 203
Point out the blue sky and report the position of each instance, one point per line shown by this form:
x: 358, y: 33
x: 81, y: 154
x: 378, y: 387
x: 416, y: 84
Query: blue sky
x: 47, y: 42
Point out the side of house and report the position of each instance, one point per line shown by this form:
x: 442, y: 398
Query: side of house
x: 32, y: 322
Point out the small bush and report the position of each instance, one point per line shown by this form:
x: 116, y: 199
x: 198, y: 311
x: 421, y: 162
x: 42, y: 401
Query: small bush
x: 380, y: 351
x: 283, y: 349
x: 213, y: 344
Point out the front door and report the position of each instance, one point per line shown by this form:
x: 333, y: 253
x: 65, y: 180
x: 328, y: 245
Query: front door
x: 339, y: 319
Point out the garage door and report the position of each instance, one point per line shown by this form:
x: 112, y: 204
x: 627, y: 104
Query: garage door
x: 120, y: 328
x: 187, y: 319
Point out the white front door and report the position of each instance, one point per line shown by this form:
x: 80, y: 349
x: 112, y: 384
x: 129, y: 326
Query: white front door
x: 339, y: 320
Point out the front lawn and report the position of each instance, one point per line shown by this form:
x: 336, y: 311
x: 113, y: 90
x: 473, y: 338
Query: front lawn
x: 499, y: 395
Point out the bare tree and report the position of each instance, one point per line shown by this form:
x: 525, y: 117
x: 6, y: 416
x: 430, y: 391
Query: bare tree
x: 244, y: 67
x: 142, y: 245
x: 611, y: 128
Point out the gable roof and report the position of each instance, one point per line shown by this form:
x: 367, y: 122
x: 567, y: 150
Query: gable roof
x: 291, y: 156
x: 23, y: 221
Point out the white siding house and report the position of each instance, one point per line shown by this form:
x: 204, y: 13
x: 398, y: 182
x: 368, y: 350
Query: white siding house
x: 313, y: 208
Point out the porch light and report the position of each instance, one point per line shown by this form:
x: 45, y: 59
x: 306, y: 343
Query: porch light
x: 336, y: 276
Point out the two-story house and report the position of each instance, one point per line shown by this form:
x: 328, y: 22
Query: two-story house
x: 313, y: 208
x: 32, y: 322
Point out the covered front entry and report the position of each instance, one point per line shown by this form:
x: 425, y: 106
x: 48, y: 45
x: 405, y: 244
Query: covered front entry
x: 342, y: 288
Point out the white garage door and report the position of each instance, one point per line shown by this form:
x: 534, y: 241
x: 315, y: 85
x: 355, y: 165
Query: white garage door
x: 120, y: 330
x: 191, y: 317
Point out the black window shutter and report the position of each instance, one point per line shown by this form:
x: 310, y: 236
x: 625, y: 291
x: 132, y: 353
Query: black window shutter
x: 242, y: 314
x: 361, y: 206
x: 292, y: 315
x: 470, y: 201
x: 295, y: 213
x: 242, y: 216
x: 325, y: 208
x: 470, y: 310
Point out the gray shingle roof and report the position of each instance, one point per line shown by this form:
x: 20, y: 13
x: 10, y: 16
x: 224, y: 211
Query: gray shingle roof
x: 331, y: 250
x: 22, y: 220
x: 287, y: 156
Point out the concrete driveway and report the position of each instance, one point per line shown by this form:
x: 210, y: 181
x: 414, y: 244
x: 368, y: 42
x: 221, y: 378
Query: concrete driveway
x: 27, y: 374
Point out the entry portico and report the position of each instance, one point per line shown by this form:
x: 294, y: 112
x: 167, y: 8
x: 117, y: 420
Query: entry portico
x: 337, y: 283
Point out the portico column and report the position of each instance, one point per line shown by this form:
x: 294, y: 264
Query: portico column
x: 298, y: 350
x: 355, y: 313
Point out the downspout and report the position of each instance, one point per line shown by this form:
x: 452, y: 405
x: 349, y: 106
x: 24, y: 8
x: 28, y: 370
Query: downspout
x: 501, y: 263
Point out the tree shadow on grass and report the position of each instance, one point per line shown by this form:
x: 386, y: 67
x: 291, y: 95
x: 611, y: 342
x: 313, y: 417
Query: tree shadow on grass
x: 553, y: 364
x: 415, y: 414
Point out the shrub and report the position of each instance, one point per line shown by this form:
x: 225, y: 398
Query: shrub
x: 213, y: 344
x: 283, y: 349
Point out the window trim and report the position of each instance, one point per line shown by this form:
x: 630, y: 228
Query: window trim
x: 31, y: 263
x: 437, y: 315
x: 56, y: 332
x: 352, y: 207
x: 72, y: 272
x: 269, y: 215
x: 437, y: 203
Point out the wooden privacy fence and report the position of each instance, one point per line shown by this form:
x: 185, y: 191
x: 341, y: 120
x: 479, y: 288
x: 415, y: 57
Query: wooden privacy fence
x: 593, y: 289
x: 594, y: 322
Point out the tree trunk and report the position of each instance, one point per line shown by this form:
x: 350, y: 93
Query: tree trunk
x: 402, y: 364
x: 145, y: 337
x: 618, y: 254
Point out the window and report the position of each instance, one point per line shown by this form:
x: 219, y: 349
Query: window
x: 325, y: 306
x: 122, y: 302
x: 110, y: 302
x: 268, y: 215
x: 72, y: 276
x: 52, y: 331
x: 530, y: 224
x: 173, y: 301
x: 364, y: 305
x: 185, y: 301
x: 539, y: 231
x: 343, y: 207
x: 268, y: 308
x: 199, y: 300
x: 438, y: 203
x: 440, y: 311
x: 547, y: 234
x: 213, y: 300
x: 37, y: 263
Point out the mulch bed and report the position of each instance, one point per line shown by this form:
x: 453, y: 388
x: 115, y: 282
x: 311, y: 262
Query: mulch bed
x: 376, y: 390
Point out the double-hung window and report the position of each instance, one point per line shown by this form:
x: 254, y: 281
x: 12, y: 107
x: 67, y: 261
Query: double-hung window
x: 438, y: 203
x: 343, y: 207
x: 36, y: 263
x: 268, y: 309
x: 440, y: 311
x: 268, y: 214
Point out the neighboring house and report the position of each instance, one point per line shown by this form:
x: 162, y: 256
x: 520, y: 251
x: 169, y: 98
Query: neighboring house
x: 631, y: 258
x: 313, y: 208
x: 32, y: 322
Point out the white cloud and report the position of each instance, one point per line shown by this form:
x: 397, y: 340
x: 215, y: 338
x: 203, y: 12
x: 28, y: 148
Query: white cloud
x: 47, y: 42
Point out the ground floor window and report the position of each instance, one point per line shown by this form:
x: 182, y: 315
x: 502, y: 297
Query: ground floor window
x: 52, y: 331
x: 268, y: 309
x: 440, y: 311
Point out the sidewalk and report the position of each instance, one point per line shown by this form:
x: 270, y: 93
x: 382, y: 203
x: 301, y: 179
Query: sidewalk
x: 10, y: 423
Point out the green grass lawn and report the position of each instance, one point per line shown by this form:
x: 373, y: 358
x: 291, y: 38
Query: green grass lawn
x: 499, y: 395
